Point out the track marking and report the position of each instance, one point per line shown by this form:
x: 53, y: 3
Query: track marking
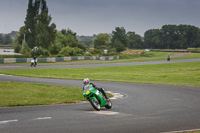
x: 43, y: 118
x: 3, y: 122
x: 5, y: 75
x: 116, y: 95
x: 183, y: 131
x: 104, y: 112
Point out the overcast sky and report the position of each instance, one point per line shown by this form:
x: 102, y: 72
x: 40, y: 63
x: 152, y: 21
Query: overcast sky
x: 88, y: 17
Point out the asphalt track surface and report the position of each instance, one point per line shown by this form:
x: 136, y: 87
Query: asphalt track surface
x: 141, y: 108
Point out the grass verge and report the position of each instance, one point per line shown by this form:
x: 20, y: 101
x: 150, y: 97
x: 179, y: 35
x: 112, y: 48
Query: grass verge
x: 173, y: 73
x: 23, y: 94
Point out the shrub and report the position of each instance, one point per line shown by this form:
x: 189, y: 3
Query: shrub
x: 17, y: 48
x: 195, y: 50
x: 40, y: 52
x: 95, y: 51
x: 69, y: 51
x: 12, y: 56
x: 54, y: 49
x: 26, y: 51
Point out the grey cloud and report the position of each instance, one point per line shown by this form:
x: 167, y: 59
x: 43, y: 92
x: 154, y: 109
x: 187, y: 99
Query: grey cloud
x: 96, y: 16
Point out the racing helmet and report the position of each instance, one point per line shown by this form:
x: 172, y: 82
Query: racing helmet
x: 86, y: 81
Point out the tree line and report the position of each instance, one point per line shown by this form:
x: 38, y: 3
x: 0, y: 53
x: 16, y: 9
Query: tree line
x: 172, y: 37
x: 168, y: 37
x: 39, y: 36
x: 5, y: 39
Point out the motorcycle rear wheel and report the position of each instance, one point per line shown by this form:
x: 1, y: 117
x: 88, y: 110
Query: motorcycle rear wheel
x: 95, y: 105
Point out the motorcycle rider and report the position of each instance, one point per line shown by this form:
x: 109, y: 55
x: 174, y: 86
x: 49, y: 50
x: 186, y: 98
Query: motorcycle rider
x: 35, y: 59
x: 86, y: 81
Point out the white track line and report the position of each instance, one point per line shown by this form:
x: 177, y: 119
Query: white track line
x: 117, y: 95
x: 3, y: 122
x: 183, y: 131
x: 43, y: 118
x: 5, y: 75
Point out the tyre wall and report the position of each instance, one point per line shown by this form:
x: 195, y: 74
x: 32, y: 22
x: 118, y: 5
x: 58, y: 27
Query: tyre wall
x: 56, y: 59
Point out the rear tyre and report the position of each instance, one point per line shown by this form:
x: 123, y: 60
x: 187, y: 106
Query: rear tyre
x: 95, y: 105
x: 109, y: 104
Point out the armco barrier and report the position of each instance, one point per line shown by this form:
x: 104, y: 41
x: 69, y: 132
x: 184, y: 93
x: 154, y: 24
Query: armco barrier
x: 56, y: 59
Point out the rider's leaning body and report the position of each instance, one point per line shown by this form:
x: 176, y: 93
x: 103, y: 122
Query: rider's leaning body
x: 87, y: 81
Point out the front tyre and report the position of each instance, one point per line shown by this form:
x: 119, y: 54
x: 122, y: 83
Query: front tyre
x: 95, y: 105
x: 109, y: 104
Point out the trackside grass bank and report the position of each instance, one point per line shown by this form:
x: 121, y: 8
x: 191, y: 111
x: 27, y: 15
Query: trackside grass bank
x: 22, y: 94
x: 187, y: 74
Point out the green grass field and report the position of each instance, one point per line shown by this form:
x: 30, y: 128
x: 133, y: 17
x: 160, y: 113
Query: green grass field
x: 189, y: 56
x: 173, y: 74
x: 23, y: 94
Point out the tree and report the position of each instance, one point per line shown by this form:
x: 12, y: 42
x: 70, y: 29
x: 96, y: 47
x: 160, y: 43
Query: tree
x: 173, y: 37
x: 152, y: 39
x: 26, y: 51
x: 119, y: 46
x: 13, y: 34
x: 45, y: 33
x: 119, y: 39
x: 65, y: 38
x: 86, y: 40
x: 38, y: 30
x: 169, y: 35
x: 72, y: 41
x: 18, y: 41
x: 29, y: 31
x: 1, y: 39
x: 69, y: 51
x: 8, y: 39
x: 193, y: 36
x: 102, y: 41
x: 134, y: 40
x: 5, y: 39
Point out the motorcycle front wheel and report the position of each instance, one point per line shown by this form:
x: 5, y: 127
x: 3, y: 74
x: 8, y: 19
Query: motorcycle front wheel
x: 95, y: 105
x: 109, y: 104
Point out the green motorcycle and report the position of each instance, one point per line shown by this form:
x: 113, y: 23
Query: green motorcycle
x: 96, y: 98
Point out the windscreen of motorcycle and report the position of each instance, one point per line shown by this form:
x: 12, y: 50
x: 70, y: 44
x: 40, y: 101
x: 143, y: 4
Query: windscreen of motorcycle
x: 86, y: 87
